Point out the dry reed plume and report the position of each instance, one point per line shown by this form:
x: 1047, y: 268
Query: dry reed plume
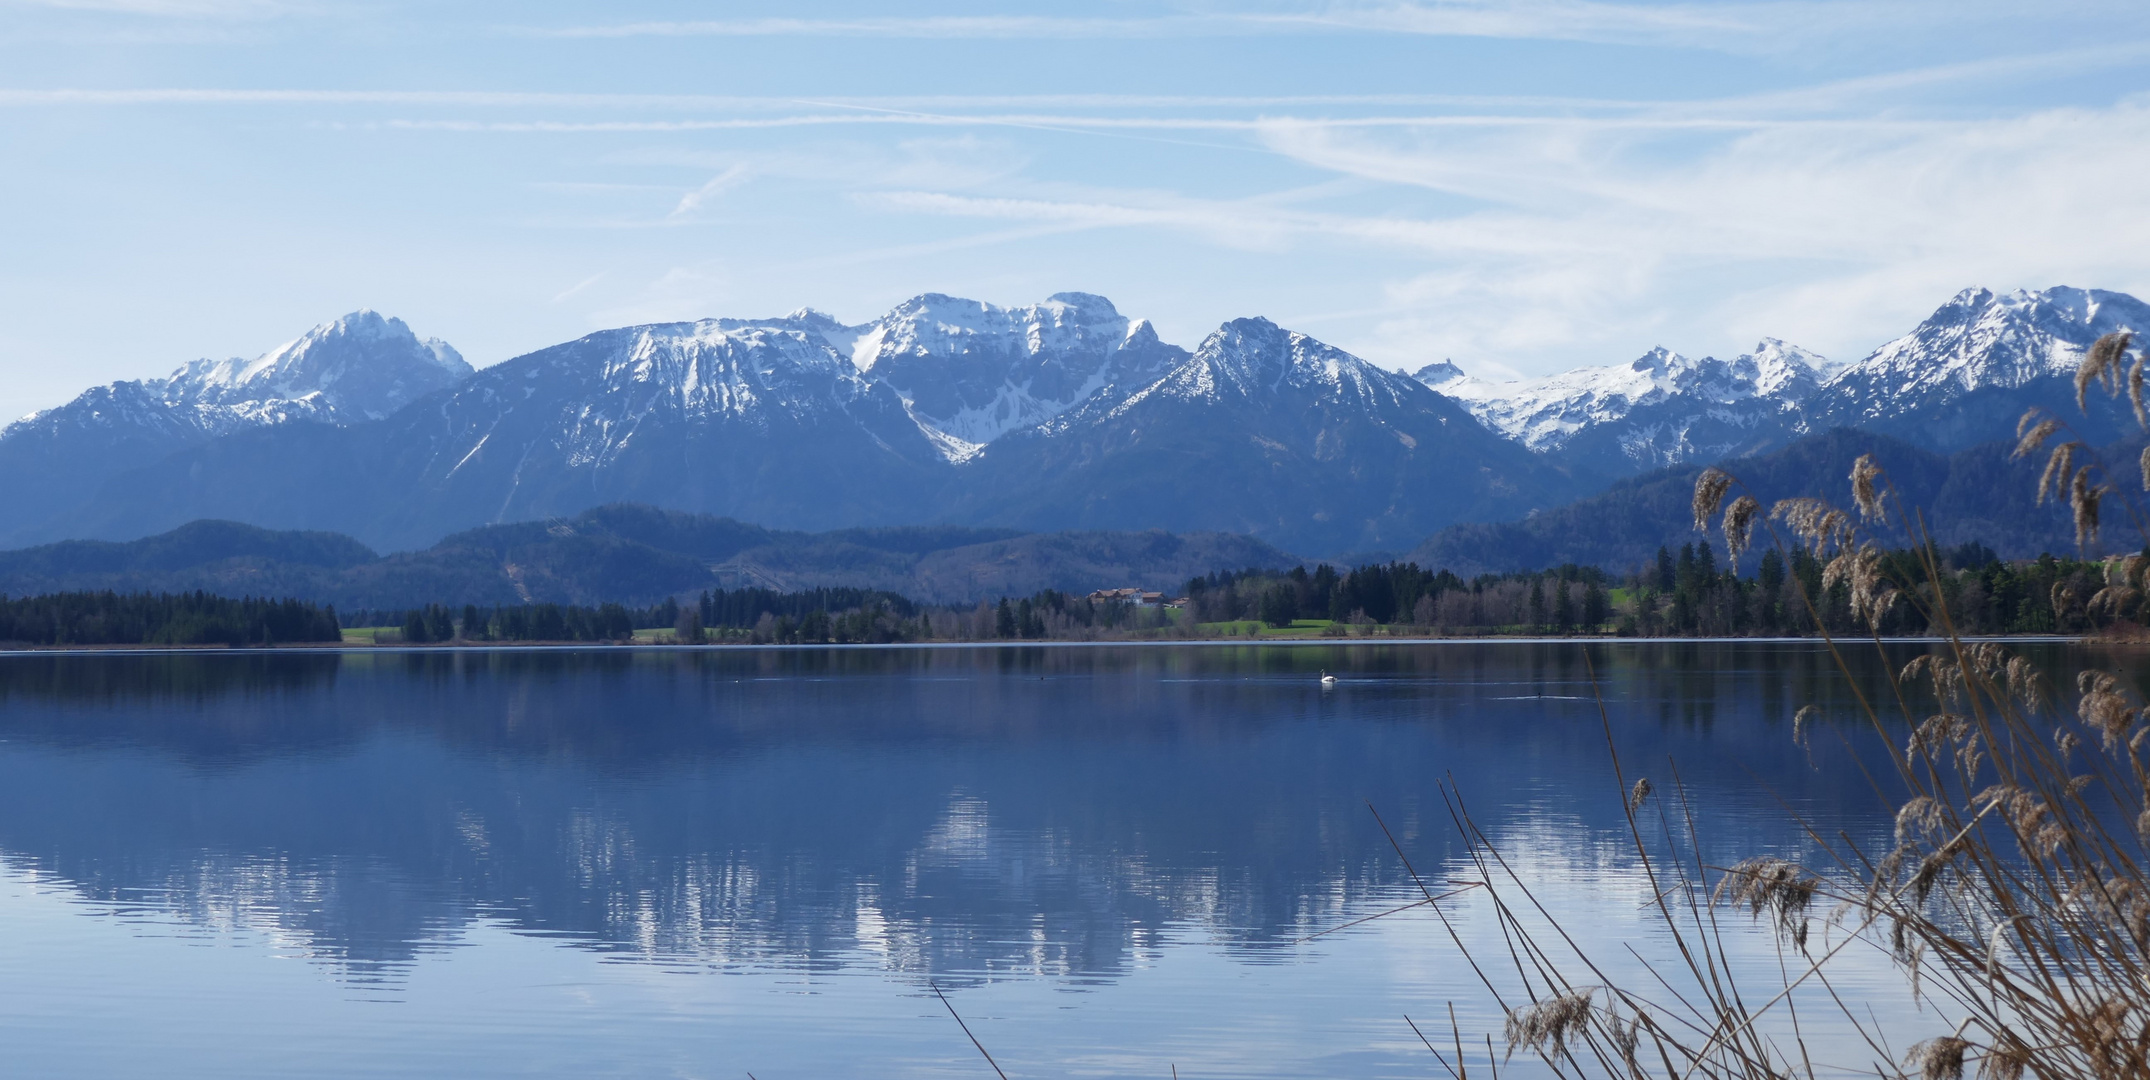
x: 2013, y: 899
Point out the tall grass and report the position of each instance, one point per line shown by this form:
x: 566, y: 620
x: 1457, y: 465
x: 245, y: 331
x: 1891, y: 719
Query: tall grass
x: 2012, y: 897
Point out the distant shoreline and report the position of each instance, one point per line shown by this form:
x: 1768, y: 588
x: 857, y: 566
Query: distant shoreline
x: 1293, y: 643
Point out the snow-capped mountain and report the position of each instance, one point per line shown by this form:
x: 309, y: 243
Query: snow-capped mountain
x: 676, y: 414
x: 1268, y: 432
x: 804, y: 422
x: 360, y: 367
x: 970, y: 372
x: 1660, y: 409
x: 1986, y: 339
x: 1060, y: 414
x: 1256, y: 360
x: 1972, y: 367
x: 1960, y: 378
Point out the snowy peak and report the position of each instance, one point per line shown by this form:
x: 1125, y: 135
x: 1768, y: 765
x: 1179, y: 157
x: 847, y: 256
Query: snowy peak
x: 1439, y: 375
x: 970, y: 372
x: 1257, y: 359
x: 1664, y: 408
x: 360, y: 367
x: 709, y: 368
x: 1985, y: 339
x: 1784, y: 370
x: 1548, y: 413
x: 947, y: 327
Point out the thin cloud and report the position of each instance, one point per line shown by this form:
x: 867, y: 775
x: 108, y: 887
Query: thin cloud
x: 1746, y: 27
x: 520, y: 99
x: 717, y: 185
x: 1571, y: 238
x: 579, y: 286
x: 171, y: 9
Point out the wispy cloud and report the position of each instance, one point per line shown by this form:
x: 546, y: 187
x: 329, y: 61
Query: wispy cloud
x: 521, y: 99
x: 1574, y: 235
x: 717, y: 185
x: 171, y: 9
x: 575, y: 289
x: 1761, y: 25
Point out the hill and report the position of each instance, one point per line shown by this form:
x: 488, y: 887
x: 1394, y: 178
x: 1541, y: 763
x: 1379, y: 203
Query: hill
x: 629, y: 554
x: 1977, y: 495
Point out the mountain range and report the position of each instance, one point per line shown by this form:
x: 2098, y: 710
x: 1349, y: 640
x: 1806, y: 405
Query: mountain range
x: 1960, y: 378
x: 1060, y: 416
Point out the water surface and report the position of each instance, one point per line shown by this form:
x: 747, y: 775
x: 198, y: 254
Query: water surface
x: 615, y: 862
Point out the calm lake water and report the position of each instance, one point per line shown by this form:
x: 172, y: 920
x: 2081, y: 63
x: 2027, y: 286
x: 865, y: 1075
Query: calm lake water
x: 638, y: 863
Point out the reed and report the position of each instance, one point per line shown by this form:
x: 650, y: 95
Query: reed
x: 2012, y: 898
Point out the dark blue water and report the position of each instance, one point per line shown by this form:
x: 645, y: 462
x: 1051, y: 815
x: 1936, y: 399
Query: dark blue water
x: 644, y: 863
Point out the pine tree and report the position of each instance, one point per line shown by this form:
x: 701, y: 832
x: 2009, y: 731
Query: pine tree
x: 440, y: 626
x: 1595, y: 606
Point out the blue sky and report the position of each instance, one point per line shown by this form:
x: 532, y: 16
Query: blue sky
x: 1523, y: 187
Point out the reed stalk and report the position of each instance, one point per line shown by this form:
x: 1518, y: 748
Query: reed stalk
x: 2012, y: 899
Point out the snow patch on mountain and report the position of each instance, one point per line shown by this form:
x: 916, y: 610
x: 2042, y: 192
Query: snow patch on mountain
x: 972, y: 372
x: 1984, y: 339
x: 969, y: 372
x: 1255, y: 359
x: 360, y: 367
x: 1546, y: 413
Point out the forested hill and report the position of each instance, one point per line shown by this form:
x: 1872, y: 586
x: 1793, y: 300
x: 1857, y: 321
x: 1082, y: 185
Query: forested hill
x: 1976, y: 495
x: 627, y: 554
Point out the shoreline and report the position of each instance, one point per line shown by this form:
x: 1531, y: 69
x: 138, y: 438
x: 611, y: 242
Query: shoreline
x: 1177, y: 643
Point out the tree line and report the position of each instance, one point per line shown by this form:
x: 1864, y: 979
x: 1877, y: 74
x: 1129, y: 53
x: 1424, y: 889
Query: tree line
x: 195, y: 618
x: 1687, y: 593
x: 807, y: 616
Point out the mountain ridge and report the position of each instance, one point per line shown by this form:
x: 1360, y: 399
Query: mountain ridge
x: 1055, y: 416
x: 1967, y: 370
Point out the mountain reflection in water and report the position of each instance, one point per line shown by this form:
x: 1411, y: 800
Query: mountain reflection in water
x: 966, y: 814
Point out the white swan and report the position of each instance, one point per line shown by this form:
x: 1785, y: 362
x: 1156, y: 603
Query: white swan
x: 1327, y: 679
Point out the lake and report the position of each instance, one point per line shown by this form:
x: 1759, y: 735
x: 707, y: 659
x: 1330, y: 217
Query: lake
x: 709, y: 863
